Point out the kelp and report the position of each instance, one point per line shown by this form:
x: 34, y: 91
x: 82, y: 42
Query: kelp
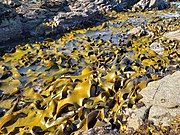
x: 85, y: 79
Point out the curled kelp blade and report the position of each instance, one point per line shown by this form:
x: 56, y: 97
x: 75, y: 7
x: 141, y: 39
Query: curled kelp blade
x: 86, y: 78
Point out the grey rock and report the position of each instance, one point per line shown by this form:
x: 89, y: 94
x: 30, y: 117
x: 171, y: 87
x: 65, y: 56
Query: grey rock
x: 157, y: 47
x: 149, y: 4
x: 164, y: 92
x: 162, y: 115
x: 174, y: 35
x: 10, y: 24
x: 137, y: 31
x: 161, y: 99
x: 67, y: 14
x: 136, y: 117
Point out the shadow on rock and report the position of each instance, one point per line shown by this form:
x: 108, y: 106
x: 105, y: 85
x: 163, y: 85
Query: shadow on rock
x: 30, y: 22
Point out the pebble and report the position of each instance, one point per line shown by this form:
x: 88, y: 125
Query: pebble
x: 157, y: 47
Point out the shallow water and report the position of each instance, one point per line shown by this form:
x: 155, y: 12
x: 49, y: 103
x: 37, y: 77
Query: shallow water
x: 90, y: 73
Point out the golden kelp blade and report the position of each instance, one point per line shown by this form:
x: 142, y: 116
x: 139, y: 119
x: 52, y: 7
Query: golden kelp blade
x: 10, y: 86
x: 81, y: 91
x: 85, y: 79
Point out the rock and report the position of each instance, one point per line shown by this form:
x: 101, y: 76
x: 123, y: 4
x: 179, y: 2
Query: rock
x: 134, y: 31
x: 157, y: 47
x: 61, y: 5
x: 174, y: 35
x: 29, y: 16
x: 162, y: 104
x: 10, y: 24
x: 68, y: 21
x: 164, y: 92
x: 162, y: 115
x: 163, y: 97
x: 137, y: 31
x: 136, y: 117
x: 149, y: 4
x: 104, y: 130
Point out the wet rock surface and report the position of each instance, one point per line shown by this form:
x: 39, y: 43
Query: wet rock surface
x: 39, y: 19
x: 89, y: 77
x: 10, y: 24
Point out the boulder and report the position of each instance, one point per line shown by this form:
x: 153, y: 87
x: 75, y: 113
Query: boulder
x: 164, y: 92
x: 161, y: 102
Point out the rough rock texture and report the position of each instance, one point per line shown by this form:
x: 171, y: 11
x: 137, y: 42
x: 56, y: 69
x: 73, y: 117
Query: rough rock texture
x: 105, y: 130
x: 30, y: 17
x: 157, y: 47
x: 164, y: 93
x: 10, y: 24
x: 136, y: 117
x: 161, y: 99
x: 173, y: 35
x: 149, y: 4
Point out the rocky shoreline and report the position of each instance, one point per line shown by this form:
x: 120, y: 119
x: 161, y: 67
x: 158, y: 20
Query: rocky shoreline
x: 119, y: 77
x: 27, y: 19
